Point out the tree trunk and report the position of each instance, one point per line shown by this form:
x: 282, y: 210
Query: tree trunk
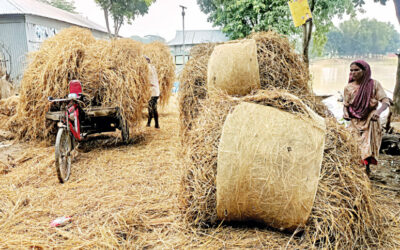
x: 397, y: 7
x: 107, y: 23
x: 396, y: 93
x: 307, y: 31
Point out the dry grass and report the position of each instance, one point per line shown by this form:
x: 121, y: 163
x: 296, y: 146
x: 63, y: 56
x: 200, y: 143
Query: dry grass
x: 347, y: 212
x: 119, y: 196
x: 161, y: 57
x: 113, y: 73
x: 193, y: 81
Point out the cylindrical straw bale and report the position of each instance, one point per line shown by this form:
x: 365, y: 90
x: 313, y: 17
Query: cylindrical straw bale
x: 268, y: 165
x: 233, y: 68
x: 161, y: 57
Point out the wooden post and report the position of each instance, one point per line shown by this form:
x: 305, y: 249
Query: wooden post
x: 396, y: 93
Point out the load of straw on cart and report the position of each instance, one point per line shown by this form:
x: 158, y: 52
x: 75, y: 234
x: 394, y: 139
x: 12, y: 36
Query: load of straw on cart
x: 112, y: 73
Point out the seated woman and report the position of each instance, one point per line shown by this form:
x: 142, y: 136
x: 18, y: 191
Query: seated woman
x: 361, y: 97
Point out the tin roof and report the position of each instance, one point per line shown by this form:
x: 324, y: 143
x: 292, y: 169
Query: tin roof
x: 198, y: 36
x: 36, y: 8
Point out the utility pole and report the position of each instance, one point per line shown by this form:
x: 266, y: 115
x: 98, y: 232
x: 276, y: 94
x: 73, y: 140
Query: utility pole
x: 183, y: 33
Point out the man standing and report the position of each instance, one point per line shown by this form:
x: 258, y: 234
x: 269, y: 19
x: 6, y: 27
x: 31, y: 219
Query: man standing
x: 155, y: 94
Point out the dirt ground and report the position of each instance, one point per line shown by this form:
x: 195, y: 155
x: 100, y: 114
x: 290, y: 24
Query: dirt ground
x: 119, y: 196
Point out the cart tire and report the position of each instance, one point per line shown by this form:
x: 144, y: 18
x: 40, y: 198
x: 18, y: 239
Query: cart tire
x: 63, y: 155
x: 124, y: 130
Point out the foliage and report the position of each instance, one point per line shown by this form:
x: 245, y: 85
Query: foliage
x: 238, y: 18
x: 363, y: 37
x: 61, y: 4
x: 122, y: 11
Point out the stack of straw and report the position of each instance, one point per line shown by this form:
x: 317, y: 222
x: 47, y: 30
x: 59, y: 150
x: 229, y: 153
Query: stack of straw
x: 347, y: 212
x: 113, y: 73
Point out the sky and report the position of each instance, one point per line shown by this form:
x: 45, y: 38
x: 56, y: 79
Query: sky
x: 165, y: 17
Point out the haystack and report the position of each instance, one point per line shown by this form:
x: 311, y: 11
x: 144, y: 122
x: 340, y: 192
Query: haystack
x: 161, y: 57
x: 345, y: 213
x: 112, y: 74
x: 47, y: 74
x: 193, y: 80
x: 115, y: 73
x: 280, y: 67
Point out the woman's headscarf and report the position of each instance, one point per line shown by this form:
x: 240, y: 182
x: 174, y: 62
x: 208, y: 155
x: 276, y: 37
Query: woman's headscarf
x: 360, y: 106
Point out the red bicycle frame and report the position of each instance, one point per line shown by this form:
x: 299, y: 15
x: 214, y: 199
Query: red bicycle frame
x: 72, y: 115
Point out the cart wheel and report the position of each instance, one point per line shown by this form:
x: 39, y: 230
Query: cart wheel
x: 124, y: 130
x: 63, y: 154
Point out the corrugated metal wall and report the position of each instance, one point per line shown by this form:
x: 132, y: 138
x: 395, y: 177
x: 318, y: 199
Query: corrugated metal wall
x: 13, y: 43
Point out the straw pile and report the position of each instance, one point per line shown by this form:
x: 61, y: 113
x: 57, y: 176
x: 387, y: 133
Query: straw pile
x: 47, y: 74
x: 112, y: 74
x: 116, y: 74
x: 279, y: 67
x: 345, y: 212
x: 193, y: 81
x: 160, y: 56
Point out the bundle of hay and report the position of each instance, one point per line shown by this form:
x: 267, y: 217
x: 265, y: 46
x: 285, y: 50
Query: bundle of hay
x: 48, y: 73
x: 279, y: 68
x: 192, y: 89
x: 233, y: 68
x: 160, y: 56
x: 344, y: 214
x: 113, y: 73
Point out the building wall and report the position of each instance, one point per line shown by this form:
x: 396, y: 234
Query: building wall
x: 20, y: 34
x: 13, y: 45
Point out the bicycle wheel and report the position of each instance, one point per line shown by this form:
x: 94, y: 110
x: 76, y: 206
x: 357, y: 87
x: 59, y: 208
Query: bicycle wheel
x: 63, y: 154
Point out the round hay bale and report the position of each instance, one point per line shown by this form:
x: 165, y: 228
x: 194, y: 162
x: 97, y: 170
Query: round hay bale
x: 233, y: 68
x: 161, y: 57
x: 346, y: 212
x: 268, y: 165
x: 47, y: 74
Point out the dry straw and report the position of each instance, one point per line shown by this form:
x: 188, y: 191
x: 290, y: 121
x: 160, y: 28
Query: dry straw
x: 279, y: 67
x: 58, y: 59
x: 160, y: 56
x: 193, y: 81
x: 346, y: 211
x: 113, y: 73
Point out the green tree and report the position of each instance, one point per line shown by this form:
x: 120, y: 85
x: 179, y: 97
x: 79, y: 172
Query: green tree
x: 238, y: 18
x: 62, y: 4
x: 122, y: 11
x: 358, y: 38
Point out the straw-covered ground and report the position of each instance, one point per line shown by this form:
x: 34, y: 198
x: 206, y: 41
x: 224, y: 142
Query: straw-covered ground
x: 119, y: 197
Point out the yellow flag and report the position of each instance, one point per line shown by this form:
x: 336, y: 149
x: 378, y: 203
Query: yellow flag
x: 300, y: 11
